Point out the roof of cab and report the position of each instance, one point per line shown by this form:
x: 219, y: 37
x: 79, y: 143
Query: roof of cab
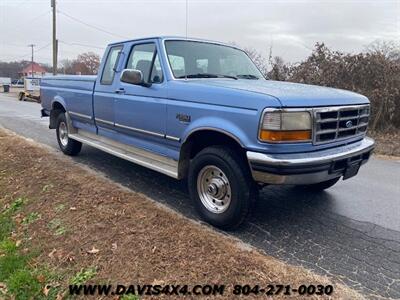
x: 172, y: 38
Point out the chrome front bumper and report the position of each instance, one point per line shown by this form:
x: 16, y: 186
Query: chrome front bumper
x: 308, y: 168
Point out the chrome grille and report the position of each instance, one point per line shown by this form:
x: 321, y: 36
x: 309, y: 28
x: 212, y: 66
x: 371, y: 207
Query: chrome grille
x: 337, y: 123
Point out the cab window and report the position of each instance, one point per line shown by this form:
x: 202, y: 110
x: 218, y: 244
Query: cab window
x: 110, y: 65
x: 144, y: 57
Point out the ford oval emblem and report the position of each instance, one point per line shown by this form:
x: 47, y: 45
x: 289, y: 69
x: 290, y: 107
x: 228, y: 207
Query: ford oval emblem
x: 349, y: 124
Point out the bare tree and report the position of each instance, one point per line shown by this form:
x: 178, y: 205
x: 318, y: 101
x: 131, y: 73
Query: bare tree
x: 259, y: 59
x: 390, y: 49
x: 88, y: 63
x: 85, y: 64
x: 374, y: 73
x: 12, y: 69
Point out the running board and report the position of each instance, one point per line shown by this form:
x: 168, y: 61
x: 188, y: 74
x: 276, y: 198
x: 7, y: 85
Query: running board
x: 138, y: 156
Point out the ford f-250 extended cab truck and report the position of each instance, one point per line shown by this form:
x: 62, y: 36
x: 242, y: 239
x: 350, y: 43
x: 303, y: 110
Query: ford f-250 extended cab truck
x: 202, y: 110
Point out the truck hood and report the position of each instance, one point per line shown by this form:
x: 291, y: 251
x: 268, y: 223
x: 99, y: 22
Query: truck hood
x: 291, y: 94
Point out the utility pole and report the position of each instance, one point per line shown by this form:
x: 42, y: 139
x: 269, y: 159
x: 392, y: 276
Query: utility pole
x: 32, y: 45
x: 55, y: 41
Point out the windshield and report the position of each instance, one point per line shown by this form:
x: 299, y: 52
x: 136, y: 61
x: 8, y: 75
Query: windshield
x: 189, y: 59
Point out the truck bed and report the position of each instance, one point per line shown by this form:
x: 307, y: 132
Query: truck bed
x: 74, y: 91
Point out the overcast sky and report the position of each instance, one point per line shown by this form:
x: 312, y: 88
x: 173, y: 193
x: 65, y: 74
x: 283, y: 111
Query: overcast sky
x: 291, y: 27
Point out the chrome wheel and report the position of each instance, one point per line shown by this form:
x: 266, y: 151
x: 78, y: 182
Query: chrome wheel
x: 63, y: 133
x: 214, y: 189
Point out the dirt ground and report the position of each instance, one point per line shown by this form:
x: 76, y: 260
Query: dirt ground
x: 127, y: 237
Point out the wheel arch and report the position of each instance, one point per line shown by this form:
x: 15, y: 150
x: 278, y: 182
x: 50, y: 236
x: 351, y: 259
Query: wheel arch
x: 57, y: 106
x: 203, y: 137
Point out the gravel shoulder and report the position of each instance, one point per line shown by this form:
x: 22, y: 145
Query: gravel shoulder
x: 127, y: 237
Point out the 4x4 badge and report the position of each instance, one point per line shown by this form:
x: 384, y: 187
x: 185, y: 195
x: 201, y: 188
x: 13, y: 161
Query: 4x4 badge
x: 183, y: 118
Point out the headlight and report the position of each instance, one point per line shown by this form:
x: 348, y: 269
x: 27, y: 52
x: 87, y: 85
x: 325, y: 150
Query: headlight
x: 285, y: 126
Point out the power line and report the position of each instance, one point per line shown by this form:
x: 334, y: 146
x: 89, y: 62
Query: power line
x: 37, y: 17
x: 20, y: 29
x: 14, y: 45
x: 31, y: 20
x: 41, y: 48
x: 91, y: 26
x: 22, y: 56
x: 82, y: 45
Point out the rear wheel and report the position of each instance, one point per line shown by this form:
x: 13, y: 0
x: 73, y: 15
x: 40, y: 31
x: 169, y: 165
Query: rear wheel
x: 221, y: 187
x: 321, y: 185
x: 68, y: 146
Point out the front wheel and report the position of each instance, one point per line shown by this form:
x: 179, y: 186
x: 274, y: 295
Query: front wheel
x: 221, y: 187
x: 68, y: 146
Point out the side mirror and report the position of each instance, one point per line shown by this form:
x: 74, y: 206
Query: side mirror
x: 133, y: 76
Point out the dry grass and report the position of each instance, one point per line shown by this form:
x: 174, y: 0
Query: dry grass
x: 387, y: 143
x: 138, y: 241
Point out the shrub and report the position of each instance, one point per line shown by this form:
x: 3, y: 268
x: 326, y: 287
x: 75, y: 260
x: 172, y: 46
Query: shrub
x: 375, y: 74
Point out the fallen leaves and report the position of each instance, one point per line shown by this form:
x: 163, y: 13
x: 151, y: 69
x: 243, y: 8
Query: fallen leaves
x: 41, y: 278
x: 93, y: 251
x: 61, y: 255
x: 3, y: 288
x: 46, y: 290
x: 51, y: 254
x: 114, y: 246
x: 148, y: 243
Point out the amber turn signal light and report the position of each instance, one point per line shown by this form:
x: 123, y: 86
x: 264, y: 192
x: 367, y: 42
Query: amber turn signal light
x: 285, y: 136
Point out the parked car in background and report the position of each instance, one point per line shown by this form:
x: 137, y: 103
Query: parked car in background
x: 202, y: 110
x: 18, y: 83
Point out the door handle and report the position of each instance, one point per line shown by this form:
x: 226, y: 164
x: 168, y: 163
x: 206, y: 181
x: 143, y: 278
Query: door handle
x: 120, y: 91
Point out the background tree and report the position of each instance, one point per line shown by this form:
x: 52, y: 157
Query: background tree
x: 259, y: 59
x: 374, y: 73
x: 12, y: 69
x: 85, y: 64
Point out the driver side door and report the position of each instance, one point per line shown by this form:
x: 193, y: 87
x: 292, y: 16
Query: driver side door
x: 140, y: 111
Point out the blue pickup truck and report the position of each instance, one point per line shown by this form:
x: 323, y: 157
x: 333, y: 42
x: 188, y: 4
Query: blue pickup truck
x: 202, y: 111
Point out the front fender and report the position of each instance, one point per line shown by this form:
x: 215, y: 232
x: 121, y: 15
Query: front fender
x: 220, y: 125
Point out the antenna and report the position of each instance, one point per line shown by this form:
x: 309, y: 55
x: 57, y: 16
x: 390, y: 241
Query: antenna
x: 187, y: 17
x: 55, y: 41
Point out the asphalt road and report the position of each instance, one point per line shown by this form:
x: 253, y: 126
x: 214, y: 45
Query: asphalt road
x: 350, y: 232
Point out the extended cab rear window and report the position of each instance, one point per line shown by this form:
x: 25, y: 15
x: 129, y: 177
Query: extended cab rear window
x: 109, y: 67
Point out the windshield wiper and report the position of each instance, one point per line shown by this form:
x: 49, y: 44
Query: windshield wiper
x: 247, y: 76
x: 207, y: 75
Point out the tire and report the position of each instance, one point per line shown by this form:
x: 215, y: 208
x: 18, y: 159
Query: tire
x: 68, y: 146
x: 221, y: 187
x: 318, y: 187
